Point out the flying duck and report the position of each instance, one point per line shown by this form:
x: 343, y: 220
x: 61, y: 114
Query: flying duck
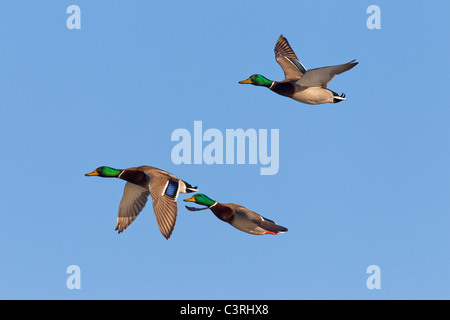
x: 143, y: 181
x: 307, y: 86
x: 236, y: 215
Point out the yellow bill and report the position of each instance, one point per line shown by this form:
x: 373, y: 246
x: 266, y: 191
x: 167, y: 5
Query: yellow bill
x: 246, y: 81
x: 191, y: 199
x: 93, y: 173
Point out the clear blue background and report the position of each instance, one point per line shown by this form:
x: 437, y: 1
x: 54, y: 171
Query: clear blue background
x: 362, y: 182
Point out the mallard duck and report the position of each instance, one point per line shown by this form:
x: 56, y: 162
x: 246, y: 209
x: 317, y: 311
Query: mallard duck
x: 299, y: 84
x: 238, y: 216
x: 143, y: 181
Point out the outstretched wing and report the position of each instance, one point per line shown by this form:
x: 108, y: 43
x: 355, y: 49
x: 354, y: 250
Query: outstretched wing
x: 133, y: 201
x: 321, y: 76
x: 164, y: 194
x: 287, y: 59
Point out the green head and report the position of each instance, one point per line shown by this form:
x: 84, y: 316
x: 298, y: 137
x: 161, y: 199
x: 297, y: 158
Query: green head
x: 258, y: 80
x: 105, y: 172
x: 202, y: 199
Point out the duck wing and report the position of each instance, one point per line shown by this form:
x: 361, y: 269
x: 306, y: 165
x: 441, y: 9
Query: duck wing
x: 133, y: 201
x: 321, y: 76
x: 164, y: 194
x: 287, y: 59
x: 259, y: 220
x: 195, y: 208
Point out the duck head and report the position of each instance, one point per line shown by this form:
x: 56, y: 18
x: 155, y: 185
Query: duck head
x: 257, y: 80
x: 202, y: 199
x: 105, y: 172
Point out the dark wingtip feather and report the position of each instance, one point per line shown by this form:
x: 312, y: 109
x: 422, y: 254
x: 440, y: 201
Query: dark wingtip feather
x: 195, y: 209
x: 353, y: 63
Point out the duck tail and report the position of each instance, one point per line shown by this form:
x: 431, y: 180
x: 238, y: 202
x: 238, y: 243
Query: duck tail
x: 337, y: 97
x: 190, y: 188
x: 278, y: 229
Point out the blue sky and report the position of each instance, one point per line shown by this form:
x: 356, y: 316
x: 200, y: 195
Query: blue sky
x: 363, y: 182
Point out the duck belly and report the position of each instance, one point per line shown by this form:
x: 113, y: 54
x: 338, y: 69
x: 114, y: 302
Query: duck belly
x: 313, y: 95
